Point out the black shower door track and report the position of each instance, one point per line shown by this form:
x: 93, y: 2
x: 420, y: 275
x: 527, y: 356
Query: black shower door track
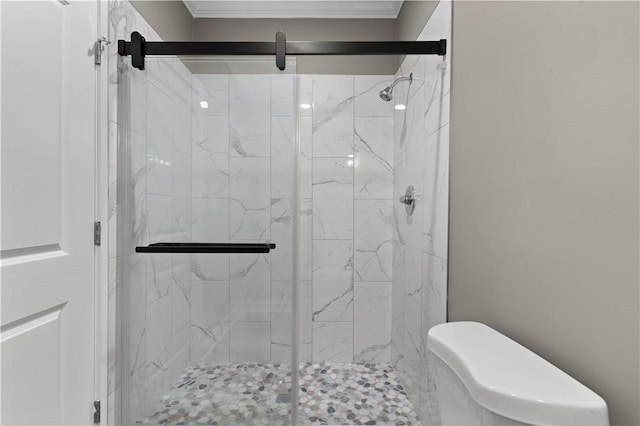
x: 138, y: 48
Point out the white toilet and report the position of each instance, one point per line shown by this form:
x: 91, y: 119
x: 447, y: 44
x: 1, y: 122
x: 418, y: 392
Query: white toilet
x: 484, y: 378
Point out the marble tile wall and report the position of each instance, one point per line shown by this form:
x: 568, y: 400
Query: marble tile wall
x: 243, y: 173
x: 345, y: 232
x: 420, y: 158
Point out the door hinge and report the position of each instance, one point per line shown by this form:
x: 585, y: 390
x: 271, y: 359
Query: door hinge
x: 97, y: 233
x: 98, y: 48
x: 96, y: 413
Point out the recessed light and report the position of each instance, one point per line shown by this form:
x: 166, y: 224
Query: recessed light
x: 305, y: 106
x: 400, y: 107
x: 204, y: 104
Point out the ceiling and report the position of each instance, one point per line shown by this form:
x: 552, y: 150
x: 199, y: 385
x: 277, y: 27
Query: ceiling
x: 363, y: 9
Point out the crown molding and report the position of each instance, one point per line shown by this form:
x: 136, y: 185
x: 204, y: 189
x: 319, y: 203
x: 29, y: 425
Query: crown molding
x: 362, y: 9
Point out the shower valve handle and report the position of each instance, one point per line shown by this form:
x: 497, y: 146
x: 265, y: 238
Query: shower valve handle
x: 409, y: 199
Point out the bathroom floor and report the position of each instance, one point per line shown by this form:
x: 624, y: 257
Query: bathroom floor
x: 330, y: 394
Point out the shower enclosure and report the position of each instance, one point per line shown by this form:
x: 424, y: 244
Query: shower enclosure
x: 261, y: 244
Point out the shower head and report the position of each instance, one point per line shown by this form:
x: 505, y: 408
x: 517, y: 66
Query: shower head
x: 386, y: 94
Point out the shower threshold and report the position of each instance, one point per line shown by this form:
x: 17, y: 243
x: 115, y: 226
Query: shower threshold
x: 259, y: 394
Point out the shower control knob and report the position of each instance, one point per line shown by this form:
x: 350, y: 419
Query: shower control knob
x: 409, y: 199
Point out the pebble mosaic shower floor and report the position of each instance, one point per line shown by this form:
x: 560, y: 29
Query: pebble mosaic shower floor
x: 257, y: 394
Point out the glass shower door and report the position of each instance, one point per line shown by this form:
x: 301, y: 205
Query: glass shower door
x: 208, y: 155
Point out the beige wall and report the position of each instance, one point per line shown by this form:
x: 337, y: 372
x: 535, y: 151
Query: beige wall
x: 412, y: 18
x: 170, y: 18
x: 544, y: 184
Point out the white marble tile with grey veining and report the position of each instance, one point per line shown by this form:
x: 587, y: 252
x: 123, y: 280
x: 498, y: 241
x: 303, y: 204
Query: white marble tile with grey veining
x: 367, y: 96
x: 436, y: 93
x: 305, y: 311
x: 182, y: 196
x: 210, y: 94
x: 412, y: 347
x: 180, y: 293
x: 283, y: 157
x: 305, y: 236
x: 398, y: 290
x: 305, y: 159
x: 332, y: 198
x: 415, y: 142
x: 250, y: 199
x: 305, y: 91
x: 436, y: 194
x: 211, y: 132
x: 138, y: 400
x: 171, y: 75
x: 332, y: 280
x: 281, y: 320
x: 160, y: 218
x: 372, y: 322
x: 159, y: 276
x: 210, y: 157
x: 136, y: 294
x: 210, y: 321
x: 282, y: 232
x: 134, y: 99
x: 250, y: 288
x: 412, y: 64
x: 434, y: 293
x: 397, y: 327
x: 428, y: 405
x: 250, y: 342
x: 181, y: 127
x: 158, y: 333
x: 153, y: 383
x: 180, y: 353
x: 283, y: 101
x: 210, y: 267
x: 374, y: 158
x: 332, y: 342
x: 159, y: 143
x: 373, y: 240
x: 210, y: 220
x: 138, y: 191
x: 210, y: 223
x: 399, y: 136
x: 249, y: 115
x: 332, y: 115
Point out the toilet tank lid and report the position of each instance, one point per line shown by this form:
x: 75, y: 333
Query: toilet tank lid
x: 508, y: 379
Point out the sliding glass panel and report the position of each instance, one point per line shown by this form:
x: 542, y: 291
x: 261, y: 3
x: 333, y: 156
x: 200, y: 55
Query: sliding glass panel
x: 208, y: 184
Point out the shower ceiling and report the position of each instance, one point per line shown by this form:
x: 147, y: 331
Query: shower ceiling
x: 369, y: 9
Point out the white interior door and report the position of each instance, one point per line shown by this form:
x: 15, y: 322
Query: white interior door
x: 47, y: 192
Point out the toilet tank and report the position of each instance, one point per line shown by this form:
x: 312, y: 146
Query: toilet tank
x: 485, y: 378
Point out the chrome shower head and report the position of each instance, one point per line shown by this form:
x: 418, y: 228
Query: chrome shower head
x: 386, y: 94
